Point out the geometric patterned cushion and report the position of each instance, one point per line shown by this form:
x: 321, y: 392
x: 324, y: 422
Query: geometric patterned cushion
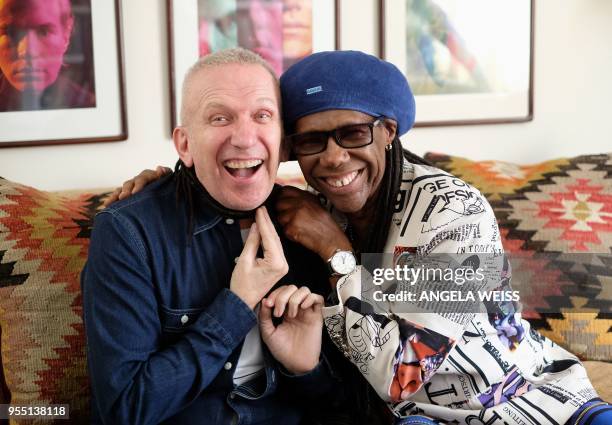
x: 44, y: 238
x: 555, y: 217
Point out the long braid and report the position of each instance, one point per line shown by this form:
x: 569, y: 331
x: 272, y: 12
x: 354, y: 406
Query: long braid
x: 415, y: 159
x: 184, y: 190
x: 376, y: 240
x: 389, y: 192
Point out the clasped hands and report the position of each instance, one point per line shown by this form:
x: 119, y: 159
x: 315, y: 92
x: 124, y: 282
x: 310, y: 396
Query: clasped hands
x: 296, y: 341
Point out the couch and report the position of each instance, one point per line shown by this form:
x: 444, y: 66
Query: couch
x: 555, y: 208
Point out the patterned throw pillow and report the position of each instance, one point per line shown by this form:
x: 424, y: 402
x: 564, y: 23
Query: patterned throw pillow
x: 555, y: 217
x: 44, y: 238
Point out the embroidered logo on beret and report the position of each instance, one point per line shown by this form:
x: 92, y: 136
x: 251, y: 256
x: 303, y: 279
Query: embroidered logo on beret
x: 313, y: 90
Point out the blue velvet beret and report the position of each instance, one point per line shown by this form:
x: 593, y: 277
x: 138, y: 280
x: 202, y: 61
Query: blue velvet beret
x: 346, y: 80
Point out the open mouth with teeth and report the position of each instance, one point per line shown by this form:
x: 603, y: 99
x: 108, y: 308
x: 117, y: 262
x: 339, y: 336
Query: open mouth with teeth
x: 341, y: 181
x: 243, y: 168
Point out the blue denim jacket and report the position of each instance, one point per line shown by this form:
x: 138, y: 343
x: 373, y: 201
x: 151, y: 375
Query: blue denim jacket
x: 164, y: 332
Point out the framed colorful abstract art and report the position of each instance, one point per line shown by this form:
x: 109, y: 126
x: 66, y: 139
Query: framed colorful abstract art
x: 61, y: 76
x: 467, y: 62
x: 281, y: 31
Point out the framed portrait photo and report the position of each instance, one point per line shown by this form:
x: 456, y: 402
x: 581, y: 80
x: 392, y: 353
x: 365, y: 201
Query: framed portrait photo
x: 280, y: 31
x: 466, y: 62
x: 61, y: 72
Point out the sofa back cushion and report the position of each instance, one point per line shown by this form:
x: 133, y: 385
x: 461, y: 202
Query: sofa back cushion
x: 555, y: 217
x: 44, y: 238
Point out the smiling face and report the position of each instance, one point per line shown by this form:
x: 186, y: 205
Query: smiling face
x: 232, y: 133
x: 34, y: 35
x: 347, y: 177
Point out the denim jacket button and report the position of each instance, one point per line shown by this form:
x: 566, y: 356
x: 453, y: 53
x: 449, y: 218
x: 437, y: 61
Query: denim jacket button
x: 229, y: 221
x: 227, y: 366
x: 184, y: 319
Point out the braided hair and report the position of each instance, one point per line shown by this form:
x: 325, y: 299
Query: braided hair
x: 369, y: 407
x: 184, y: 190
x: 388, y: 194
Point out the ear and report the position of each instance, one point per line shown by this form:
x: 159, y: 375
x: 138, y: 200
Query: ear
x: 69, y: 26
x: 181, y: 143
x: 391, y: 128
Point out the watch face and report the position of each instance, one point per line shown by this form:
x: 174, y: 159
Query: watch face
x: 343, y: 262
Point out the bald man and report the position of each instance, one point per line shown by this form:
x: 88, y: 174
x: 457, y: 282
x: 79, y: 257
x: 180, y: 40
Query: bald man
x: 174, y: 288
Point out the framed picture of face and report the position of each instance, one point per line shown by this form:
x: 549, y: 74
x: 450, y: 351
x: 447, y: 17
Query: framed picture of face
x: 280, y: 31
x: 61, y: 76
x: 466, y: 62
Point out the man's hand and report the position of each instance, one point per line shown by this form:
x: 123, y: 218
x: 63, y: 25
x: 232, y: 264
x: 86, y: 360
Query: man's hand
x: 136, y: 184
x: 253, y: 277
x: 306, y: 222
x: 296, y: 342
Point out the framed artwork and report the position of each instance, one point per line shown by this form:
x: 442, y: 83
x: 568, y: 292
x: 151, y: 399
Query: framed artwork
x: 466, y: 62
x: 281, y: 31
x: 61, y: 78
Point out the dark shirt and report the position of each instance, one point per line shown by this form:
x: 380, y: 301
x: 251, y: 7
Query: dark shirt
x: 62, y: 94
x: 164, y: 331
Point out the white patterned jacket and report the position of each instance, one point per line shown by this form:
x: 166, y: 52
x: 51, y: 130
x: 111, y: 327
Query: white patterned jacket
x: 472, y: 369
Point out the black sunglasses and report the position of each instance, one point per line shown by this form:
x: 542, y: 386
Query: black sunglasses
x: 349, y: 137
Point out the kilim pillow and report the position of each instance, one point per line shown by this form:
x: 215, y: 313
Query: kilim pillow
x: 44, y: 238
x: 555, y: 217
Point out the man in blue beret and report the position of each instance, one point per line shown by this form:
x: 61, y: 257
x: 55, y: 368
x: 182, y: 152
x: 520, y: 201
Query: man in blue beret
x: 343, y: 115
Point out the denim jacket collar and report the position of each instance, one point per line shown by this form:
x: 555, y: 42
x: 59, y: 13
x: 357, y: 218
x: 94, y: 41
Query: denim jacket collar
x: 206, y: 216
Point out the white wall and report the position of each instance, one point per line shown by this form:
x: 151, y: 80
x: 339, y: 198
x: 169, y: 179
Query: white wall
x: 573, y: 64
